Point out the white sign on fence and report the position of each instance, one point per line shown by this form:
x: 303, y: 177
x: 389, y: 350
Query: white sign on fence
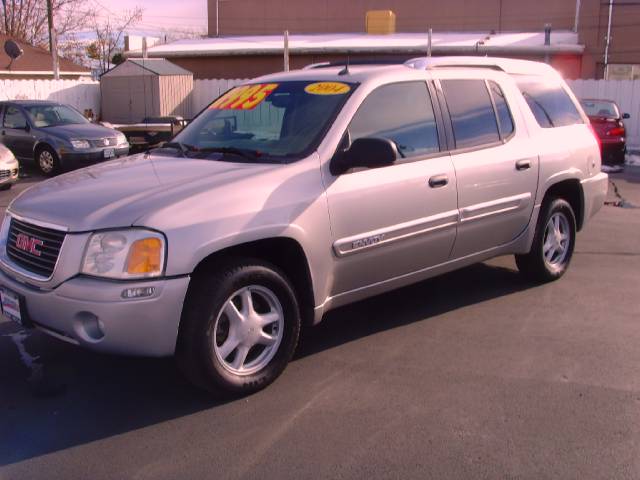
x: 81, y: 94
x: 626, y: 93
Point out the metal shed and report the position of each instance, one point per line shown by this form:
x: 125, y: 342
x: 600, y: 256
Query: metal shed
x: 145, y: 87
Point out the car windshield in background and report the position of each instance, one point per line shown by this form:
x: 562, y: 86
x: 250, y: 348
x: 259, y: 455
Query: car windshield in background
x: 54, y: 115
x: 276, y: 121
x: 600, y: 108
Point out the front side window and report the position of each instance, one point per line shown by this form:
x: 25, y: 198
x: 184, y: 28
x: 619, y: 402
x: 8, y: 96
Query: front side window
x: 267, y: 121
x: 13, y: 118
x: 550, y: 104
x: 505, y: 120
x: 401, y: 112
x: 54, y: 115
x: 472, y: 116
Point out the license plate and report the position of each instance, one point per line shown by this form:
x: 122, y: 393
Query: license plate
x: 10, y: 303
x: 109, y: 153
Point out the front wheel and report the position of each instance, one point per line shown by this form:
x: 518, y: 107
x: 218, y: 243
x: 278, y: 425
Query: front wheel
x: 47, y: 161
x: 239, y: 328
x: 553, y: 243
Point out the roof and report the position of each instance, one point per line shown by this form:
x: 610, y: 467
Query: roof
x: 27, y: 103
x: 36, y: 61
x: 416, y: 43
x: 159, y: 66
x: 508, y: 65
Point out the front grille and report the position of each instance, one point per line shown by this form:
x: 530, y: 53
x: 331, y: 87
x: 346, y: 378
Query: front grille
x: 5, y: 173
x: 111, y: 142
x: 38, y: 248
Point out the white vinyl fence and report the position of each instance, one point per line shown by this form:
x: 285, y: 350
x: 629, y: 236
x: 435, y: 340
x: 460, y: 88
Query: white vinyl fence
x: 206, y: 91
x: 81, y: 94
x: 626, y: 93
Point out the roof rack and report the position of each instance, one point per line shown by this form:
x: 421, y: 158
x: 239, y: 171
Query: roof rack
x: 344, y: 63
x: 508, y: 65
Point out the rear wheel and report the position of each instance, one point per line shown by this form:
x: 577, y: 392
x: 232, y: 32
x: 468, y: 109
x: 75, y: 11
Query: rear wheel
x: 47, y: 161
x: 553, y: 243
x: 239, y: 328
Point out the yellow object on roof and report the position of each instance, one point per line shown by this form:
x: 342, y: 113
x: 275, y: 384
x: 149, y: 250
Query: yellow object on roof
x: 380, y: 22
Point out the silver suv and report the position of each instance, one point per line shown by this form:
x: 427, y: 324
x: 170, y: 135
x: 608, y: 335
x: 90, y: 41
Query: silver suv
x: 297, y: 193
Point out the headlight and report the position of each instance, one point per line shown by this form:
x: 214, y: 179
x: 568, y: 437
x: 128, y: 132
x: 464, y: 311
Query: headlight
x: 121, y: 139
x: 80, y: 144
x: 132, y: 253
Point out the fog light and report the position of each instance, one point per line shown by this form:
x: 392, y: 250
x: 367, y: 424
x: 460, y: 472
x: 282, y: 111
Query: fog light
x: 138, y: 292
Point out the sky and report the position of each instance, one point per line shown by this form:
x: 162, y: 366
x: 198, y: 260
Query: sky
x: 162, y: 14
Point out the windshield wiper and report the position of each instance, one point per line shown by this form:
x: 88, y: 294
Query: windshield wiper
x: 183, y: 148
x: 247, y: 154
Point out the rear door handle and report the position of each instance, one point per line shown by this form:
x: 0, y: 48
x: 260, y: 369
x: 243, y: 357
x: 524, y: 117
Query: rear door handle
x: 438, y: 181
x: 523, y: 164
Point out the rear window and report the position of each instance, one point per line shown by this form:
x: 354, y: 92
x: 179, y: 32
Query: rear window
x: 600, y: 108
x: 550, y: 104
x: 472, y: 115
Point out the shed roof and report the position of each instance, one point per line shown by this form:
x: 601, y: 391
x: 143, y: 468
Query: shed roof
x: 159, y: 66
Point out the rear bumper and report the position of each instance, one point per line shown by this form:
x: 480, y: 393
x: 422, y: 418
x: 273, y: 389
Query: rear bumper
x: 92, y: 313
x: 595, y: 191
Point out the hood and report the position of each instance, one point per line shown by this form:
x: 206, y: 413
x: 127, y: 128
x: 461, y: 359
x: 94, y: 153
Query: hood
x: 117, y: 193
x: 80, y: 131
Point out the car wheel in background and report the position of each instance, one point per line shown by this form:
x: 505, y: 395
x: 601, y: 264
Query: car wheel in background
x: 47, y: 161
x: 6, y: 186
x: 239, y: 328
x: 553, y: 243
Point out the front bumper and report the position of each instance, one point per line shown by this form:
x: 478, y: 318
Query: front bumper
x: 8, y: 176
x: 92, y: 313
x: 94, y: 155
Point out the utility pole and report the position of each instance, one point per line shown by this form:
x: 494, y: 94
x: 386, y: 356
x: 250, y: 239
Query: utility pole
x: 286, y: 50
x: 606, y: 48
x: 429, y: 39
x: 577, y: 19
x: 217, y: 18
x: 53, y: 42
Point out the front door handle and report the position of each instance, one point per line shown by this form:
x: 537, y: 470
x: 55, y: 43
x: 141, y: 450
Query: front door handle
x: 438, y: 181
x: 523, y: 164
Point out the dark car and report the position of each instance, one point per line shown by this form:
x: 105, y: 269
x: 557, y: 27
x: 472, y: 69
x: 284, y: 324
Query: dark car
x: 607, y: 122
x: 56, y: 136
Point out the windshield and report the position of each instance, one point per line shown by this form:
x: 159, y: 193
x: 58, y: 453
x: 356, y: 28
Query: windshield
x: 600, y: 108
x: 53, y: 115
x: 285, y: 119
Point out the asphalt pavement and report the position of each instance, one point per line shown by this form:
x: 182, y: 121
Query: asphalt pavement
x: 475, y: 374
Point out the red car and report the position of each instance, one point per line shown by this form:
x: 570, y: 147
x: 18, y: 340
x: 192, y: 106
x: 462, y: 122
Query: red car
x: 607, y: 123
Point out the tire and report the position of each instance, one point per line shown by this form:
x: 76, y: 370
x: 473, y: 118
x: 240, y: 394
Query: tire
x: 47, y: 161
x: 546, y: 262
x: 217, y: 316
x: 6, y: 187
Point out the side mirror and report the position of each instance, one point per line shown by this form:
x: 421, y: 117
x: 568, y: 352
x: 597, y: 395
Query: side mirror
x: 367, y: 152
x: 626, y: 115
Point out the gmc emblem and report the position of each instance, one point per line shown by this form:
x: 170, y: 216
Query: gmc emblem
x: 29, y: 244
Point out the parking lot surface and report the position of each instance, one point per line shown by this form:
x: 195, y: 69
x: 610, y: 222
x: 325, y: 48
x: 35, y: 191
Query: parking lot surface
x: 475, y: 374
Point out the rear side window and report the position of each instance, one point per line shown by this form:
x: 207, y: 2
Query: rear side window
x: 505, y: 120
x: 13, y: 118
x: 401, y: 112
x: 472, y: 115
x: 550, y: 104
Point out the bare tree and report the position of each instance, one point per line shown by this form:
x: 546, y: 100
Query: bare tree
x: 26, y: 20
x: 109, y: 31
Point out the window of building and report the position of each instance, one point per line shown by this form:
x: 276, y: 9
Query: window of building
x: 401, y: 112
x: 472, y: 115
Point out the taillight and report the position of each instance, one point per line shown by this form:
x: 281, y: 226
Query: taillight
x: 595, y: 135
x: 616, y: 132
